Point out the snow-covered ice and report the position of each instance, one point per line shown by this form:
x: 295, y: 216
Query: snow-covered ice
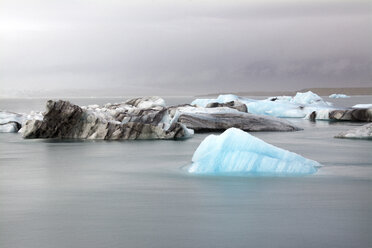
x: 235, y: 151
x: 338, y: 96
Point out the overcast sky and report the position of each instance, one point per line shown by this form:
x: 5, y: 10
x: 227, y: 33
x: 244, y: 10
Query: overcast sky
x: 184, y: 47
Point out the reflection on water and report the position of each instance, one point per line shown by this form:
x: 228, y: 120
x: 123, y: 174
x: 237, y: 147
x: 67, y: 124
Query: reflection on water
x: 137, y: 194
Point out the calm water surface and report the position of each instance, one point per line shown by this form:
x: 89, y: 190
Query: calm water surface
x: 138, y: 194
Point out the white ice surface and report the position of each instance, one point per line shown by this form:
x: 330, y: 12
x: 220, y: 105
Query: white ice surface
x: 236, y: 151
x: 368, y: 105
x: 197, y: 110
x: 338, y: 96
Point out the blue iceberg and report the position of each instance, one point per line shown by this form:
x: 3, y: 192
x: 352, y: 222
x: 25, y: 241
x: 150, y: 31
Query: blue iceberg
x: 235, y: 151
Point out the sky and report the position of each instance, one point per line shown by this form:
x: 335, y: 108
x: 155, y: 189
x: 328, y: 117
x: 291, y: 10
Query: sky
x: 182, y: 47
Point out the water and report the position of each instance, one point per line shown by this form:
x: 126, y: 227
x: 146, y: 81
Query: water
x: 138, y: 193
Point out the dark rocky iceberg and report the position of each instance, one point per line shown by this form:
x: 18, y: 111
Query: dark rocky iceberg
x: 362, y: 114
x: 204, y: 122
x: 113, y: 122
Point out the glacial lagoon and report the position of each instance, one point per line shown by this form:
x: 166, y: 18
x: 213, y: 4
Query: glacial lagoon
x: 73, y: 193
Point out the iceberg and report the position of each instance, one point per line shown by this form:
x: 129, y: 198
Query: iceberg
x: 339, y: 96
x: 235, y: 151
x: 10, y: 127
x: 220, y: 99
x: 221, y: 118
x: 362, y: 132
x: 298, y: 106
x: 202, y: 122
x: 139, y: 118
x: 307, y: 105
x: 147, y: 102
x: 356, y: 114
x: 308, y: 98
x: 233, y: 104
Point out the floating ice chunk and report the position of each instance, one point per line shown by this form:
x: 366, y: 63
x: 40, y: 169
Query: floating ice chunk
x: 368, y: 105
x: 338, y: 96
x: 306, y: 98
x: 362, y: 132
x: 221, y: 99
x: 320, y: 114
x: 147, y: 102
x: 11, y: 122
x: 299, y: 106
x: 10, y: 127
x: 235, y: 151
x: 276, y: 108
x: 150, y: 104
x: 6, y: 117
x: 188, y: 132
x: 227, y: 98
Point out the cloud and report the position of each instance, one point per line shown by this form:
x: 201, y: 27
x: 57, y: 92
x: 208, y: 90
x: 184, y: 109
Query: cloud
x: 194, y: 47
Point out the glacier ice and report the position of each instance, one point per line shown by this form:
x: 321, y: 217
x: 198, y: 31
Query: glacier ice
x: 299, y: 106
x: 11, y: 122
x: 366, y: 105
x: 338, y: 96
x: 235, y: 151
x: 6, y: 117
x: 307, y: 98
x: 146, y: 102
x: 127, y: 120
x: 10, y: 127
x: 362, y: 132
